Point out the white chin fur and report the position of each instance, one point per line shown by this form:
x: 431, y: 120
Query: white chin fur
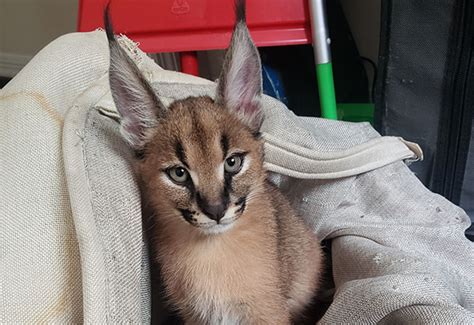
x: 216, y: 229
x: 210, y: 227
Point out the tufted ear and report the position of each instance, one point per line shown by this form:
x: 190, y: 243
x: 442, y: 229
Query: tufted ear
x: 240, y: 83
x: 137, y: 103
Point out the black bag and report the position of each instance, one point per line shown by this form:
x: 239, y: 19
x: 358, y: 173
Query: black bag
x: 425, y: 90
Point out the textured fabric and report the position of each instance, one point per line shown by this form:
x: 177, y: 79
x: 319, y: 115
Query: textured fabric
x: 39, y: 261
x: 398, y: 250
x: 49, y: 272
x: 114, y: 200
x: 106, y: 206
x: 394, y: 245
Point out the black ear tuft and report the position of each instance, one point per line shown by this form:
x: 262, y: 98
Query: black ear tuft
x: 137, y: 103
x: 109, y: 31
x: 240, y: 11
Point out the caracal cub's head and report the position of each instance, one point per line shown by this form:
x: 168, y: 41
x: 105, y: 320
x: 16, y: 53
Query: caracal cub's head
x: 200, y: 158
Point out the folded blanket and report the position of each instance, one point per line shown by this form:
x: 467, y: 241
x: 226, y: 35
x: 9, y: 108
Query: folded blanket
x: 73, y: 248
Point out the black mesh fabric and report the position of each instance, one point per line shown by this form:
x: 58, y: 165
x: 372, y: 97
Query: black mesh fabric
x: 412, y: 65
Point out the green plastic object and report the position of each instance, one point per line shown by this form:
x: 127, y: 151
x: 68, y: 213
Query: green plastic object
x: 327, y: 96
x: 356, y: 112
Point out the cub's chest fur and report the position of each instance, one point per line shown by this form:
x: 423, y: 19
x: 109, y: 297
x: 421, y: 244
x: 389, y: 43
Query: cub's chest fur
x: 224, y: 267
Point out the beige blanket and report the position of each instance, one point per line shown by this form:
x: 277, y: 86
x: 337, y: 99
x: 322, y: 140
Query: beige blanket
x: 72, y: 245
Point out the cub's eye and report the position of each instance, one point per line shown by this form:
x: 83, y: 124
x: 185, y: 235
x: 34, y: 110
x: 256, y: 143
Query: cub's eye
x: 178, y: 174
x: 233, y: 164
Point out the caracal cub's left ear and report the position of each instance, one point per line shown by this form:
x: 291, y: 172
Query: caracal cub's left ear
x: 240, y: 84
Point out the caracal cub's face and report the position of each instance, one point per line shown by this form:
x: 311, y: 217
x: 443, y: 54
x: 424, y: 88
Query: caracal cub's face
x: 203, y: 166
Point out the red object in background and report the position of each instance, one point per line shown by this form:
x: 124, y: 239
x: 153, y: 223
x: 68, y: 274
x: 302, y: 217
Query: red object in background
x: 193, y: 25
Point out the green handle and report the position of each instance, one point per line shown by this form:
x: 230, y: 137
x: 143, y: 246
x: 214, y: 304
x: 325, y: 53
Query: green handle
x: 327, y: 96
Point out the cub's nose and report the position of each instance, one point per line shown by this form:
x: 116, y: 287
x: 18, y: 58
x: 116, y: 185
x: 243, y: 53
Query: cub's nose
x: 213, y: 211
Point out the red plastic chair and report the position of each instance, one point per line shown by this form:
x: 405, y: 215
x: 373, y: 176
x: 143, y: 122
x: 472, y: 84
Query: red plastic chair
x: 187, y: 26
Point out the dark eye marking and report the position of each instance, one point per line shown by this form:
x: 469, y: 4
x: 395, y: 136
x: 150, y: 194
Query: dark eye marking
x: 228, y: 182
x: 181, y: 154
x: 242, y: 202
x: 187, y: 215
x: 224, y: 145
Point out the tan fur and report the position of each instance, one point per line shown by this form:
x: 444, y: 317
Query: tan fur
x: 263, y: 270
x: 231, y: 249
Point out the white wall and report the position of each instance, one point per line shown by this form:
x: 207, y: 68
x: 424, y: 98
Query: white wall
x: 26, y: 26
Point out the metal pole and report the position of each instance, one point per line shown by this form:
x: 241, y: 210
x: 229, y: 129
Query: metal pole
x: 322, y: 56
